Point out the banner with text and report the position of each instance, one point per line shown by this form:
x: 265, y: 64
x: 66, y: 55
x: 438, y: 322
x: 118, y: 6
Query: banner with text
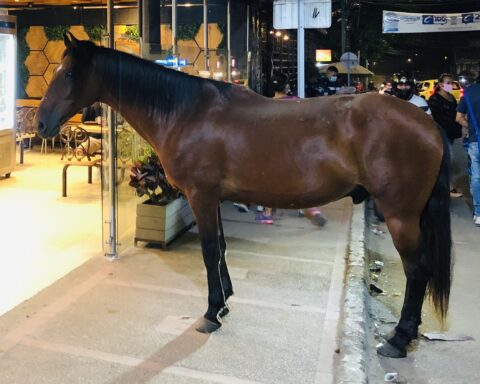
x: 402, y: 22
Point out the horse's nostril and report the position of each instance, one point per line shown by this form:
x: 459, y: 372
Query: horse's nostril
x: 41, y: 126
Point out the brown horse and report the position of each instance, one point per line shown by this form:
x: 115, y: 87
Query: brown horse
x: 218, y: 141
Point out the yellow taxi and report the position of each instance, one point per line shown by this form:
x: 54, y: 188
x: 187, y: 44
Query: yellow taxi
x: 426, y: 88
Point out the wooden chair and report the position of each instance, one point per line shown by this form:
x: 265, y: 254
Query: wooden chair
x: 78, y: 149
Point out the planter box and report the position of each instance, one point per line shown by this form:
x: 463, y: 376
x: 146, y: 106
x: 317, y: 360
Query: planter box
x: 163, y: 224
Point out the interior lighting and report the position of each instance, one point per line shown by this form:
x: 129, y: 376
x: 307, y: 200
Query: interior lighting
x: 272, y: 32
x: 278, y: 34
x: 409, y: 60
x: 286, y: 37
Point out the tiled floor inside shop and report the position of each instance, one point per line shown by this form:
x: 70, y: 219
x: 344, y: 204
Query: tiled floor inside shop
x: 45, y: 235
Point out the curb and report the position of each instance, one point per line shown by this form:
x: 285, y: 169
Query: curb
x: 352, y: 367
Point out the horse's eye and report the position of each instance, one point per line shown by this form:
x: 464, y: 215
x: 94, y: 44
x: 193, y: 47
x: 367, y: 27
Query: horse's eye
x: 69, y: 75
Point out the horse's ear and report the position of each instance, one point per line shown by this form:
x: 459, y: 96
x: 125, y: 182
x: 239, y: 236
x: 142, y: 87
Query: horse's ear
x: 71, y: 42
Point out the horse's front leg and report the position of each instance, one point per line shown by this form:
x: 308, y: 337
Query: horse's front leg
x: 205, y: 211
x: 226, y: 282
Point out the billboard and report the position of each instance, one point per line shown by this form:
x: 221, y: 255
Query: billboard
x: 403, y: 22
x: 323, y: 55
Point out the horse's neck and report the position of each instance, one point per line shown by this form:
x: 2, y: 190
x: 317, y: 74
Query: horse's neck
x: 146, y: 121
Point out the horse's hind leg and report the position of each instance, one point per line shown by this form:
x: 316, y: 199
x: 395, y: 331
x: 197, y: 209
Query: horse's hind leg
x: 226, y: 282
x: 406, y: 236
x: 205, y: 210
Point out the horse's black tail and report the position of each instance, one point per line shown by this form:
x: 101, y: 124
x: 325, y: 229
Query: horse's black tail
x: 437, y: 237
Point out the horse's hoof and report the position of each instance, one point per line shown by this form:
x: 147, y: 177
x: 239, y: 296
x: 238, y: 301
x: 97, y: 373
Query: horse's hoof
x: 224, y: 311
x: 388, y: 350
x: 207, y: 326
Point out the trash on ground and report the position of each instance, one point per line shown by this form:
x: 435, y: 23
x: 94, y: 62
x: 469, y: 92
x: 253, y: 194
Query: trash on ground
x: 447, y: 336
x: 379, y: 263
x: 394, y: 377
x: 390, y: 377
x: 375, y: 289
x: 377, y: 231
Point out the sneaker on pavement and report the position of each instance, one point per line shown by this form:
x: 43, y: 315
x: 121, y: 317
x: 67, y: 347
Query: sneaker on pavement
x: 261, y: 218
x: 241, y: 207
x: 320, y: 219
x: 476, y: 221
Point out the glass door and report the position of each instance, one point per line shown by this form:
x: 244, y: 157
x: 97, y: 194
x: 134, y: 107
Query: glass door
x: 7, y: 94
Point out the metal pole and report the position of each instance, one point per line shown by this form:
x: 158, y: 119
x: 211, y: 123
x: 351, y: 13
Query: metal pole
x: 205, y: 32
x: 229, y: 42
x: 301, y: 50
x: 344, y: 25
x: 112, y: 150
x: 174, y: 27
x: 249, y: 56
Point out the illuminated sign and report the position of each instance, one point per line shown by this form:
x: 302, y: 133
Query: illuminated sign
x: 323, y: 55
x: 171, y: 61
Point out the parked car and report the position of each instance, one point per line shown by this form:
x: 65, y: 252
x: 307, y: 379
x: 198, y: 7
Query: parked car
x: 426, y: 88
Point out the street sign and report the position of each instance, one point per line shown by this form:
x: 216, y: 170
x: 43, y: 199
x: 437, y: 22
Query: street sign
x: 172, y: 61
x: 318, y: 14
x: 349, y: 59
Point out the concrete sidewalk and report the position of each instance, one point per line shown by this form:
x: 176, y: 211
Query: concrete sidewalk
x: 431, y: 362
x: 132, y: 321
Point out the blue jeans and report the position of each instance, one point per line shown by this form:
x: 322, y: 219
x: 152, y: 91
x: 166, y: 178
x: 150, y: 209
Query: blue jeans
x: 474, y: 154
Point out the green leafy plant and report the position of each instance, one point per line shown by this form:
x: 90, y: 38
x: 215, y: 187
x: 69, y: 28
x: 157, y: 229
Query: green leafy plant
x: 95, y: 32
x: 187, y: 31
x: 23, y: 50
x: 56, y: 32
x: 132, y: 32
x: 148, y: 178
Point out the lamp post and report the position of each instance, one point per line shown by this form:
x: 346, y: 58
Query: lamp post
x: 205, y: 32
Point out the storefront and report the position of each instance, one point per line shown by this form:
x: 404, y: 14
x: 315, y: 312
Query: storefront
x: 56, y: 216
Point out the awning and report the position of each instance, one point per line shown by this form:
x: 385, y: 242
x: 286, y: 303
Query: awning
x: 356, y: 70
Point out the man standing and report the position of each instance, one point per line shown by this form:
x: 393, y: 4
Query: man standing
x: 468, y: 115
x: 328, y: 85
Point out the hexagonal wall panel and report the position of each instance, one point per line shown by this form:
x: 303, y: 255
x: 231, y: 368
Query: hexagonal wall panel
x: 36, y: 38
x: 79, y: 32
x: 214, y: 36
x: 36, y: 63
x: 50, y: 72
x: 36, y: 86
x: 54, y: 51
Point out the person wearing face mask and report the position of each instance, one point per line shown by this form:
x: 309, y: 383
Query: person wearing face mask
x: 328, y: 85
x: 405, y: 89
x: 444, y: 107
x: 444, y: 110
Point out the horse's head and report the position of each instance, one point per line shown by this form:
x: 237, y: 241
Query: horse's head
x: 73, y: 87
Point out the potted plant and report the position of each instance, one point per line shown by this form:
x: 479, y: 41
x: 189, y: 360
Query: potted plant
x: 165, y: 215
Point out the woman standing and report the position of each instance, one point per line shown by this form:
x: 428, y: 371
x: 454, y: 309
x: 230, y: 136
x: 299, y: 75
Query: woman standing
x: 444, y: 108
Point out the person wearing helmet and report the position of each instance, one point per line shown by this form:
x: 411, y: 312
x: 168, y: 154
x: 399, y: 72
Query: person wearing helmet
x: 405, y: 89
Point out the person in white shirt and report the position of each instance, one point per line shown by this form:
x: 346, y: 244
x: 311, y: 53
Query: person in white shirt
x: 405, y: 89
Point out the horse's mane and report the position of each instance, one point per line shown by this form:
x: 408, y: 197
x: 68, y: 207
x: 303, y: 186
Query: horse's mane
x: 152, y: 87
